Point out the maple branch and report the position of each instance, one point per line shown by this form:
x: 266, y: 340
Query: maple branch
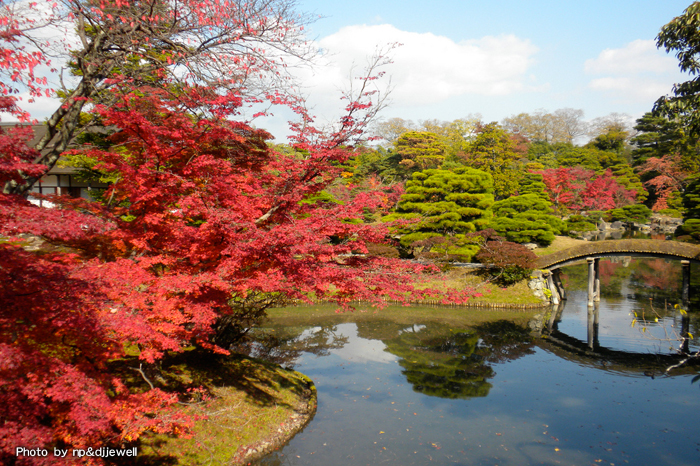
x: 350, y: 129
x: 140, y: 371
x: 268, y: 214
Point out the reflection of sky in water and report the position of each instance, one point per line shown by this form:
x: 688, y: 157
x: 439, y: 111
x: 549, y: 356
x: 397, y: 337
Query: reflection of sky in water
x: 358, y: 350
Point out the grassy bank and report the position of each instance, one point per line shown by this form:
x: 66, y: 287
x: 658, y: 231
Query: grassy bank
x: 492, y: 294
x: 519, y: 294
x: 253, y: 408
x: 330, y: 314
x: 559, y: 244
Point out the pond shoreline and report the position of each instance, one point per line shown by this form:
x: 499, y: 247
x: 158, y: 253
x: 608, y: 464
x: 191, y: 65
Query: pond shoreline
x: 252, y: 407
x: 303, y: 413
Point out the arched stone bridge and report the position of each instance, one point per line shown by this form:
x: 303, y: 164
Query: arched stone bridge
x: 594, y: 250
x: 620, y: 247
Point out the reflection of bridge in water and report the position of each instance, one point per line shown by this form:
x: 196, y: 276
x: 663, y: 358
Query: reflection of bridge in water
x: 591, y: 353
x: 593, y: 251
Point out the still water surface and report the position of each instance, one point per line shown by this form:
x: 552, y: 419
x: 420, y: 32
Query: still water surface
x: 474, y: 390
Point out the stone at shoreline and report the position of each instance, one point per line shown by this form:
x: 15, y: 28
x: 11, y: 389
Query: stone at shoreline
x: 664, y: 224
x: 538, y: 284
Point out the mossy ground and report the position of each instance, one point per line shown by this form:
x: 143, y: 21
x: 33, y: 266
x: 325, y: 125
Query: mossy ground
x: 253, y: 408
x: 461, y: 278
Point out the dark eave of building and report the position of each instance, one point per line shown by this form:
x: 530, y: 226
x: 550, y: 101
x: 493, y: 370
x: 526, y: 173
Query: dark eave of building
x: 40, y: 131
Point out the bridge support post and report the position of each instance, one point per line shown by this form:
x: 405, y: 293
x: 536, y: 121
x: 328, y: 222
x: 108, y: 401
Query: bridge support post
x: 552, y: 318
x: 685, y: 334
x: 596, y: 264
x: 685, y: 293
x: 593, y: 281
x: 552, y: 286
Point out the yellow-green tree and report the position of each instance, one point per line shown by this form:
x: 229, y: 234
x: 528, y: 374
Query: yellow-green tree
x: 456, y: 134
x: 494, y: 151
x: 420, y: 150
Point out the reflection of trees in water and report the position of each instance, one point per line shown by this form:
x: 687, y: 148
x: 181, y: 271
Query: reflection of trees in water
x: 436, y: 359
x: 440, y: 364
x: 452, y: 363
x: 503, y: 341
x: 657, y: 278
x: 613, y: 273
x: 283, y: 345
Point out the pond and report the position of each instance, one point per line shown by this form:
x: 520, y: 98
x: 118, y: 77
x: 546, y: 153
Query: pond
x: 415, y: 386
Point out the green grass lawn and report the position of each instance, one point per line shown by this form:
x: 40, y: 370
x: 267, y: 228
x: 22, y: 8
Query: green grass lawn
x: 559, y: 244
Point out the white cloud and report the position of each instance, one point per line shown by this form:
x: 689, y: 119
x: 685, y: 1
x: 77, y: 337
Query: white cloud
x: 632, y: 88
x: 39, y: 108
x: 427, y: 68
x: 637, y: 71
x: 361, y: 350
x: 639, y: 56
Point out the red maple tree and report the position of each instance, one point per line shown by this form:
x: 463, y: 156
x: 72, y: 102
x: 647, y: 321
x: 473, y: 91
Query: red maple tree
x: 668, y: 177
x: 603, y: 192
x: 561, y: 185
x: 577, y: 188
x: 205, y: 229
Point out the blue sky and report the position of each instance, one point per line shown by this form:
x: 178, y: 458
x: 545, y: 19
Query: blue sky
x: 498, y: 58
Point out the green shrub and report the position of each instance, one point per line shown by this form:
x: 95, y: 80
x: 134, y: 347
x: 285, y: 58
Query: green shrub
x: 461, y: 248
x: 526, y: 228
x: 637, y: 213
x: 675, y: 213
x: 594, y: 216
x: 526, y: 219
x: 689, y: 231
x: 446, y: 204
x: 691, y: 198
x: 579, y: 223
x: 531, y: 183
